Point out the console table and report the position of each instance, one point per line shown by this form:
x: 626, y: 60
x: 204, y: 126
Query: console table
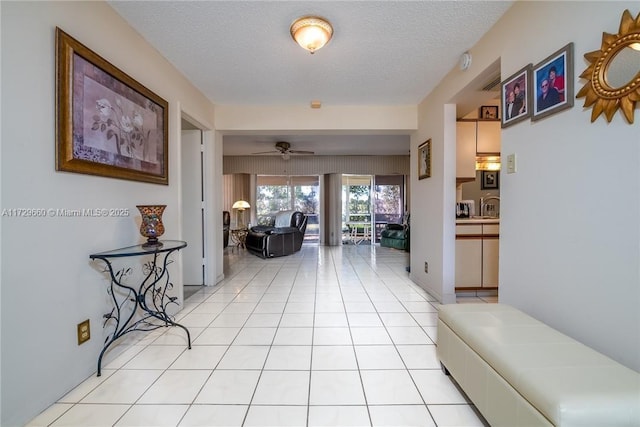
x: 150, y: 296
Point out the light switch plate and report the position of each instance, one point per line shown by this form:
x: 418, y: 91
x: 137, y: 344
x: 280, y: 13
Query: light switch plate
x: 511, y: 163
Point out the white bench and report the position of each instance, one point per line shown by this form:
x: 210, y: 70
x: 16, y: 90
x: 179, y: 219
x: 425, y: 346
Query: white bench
x: 520, y: 372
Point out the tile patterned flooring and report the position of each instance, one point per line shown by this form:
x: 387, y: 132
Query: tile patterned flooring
x: 330, y: 336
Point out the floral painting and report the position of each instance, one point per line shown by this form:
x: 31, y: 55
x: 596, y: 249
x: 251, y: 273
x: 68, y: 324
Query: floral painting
x: 117, y: 127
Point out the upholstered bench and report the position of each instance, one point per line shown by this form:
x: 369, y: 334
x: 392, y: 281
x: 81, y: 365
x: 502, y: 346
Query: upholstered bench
x: 520, y: 372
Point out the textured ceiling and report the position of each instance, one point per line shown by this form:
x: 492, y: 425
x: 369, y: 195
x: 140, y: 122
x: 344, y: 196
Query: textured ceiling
x: 382, y: 52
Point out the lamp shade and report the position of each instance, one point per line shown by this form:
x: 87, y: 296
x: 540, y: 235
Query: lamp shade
x: 311, y: 32
x: 241, y: 205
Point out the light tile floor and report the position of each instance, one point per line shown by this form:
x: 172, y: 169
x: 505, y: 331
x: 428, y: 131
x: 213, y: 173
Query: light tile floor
x: 330, y: 336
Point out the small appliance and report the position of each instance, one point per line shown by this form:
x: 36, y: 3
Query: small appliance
x: 465, y: 209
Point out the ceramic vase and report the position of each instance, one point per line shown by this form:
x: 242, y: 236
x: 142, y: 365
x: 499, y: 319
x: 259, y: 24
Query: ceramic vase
x: 151, y: 226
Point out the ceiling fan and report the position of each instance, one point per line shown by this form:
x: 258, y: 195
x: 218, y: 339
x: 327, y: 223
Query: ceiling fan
x: 284, y: 148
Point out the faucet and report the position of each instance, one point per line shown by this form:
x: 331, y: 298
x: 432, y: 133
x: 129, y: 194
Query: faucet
x: 483, y: 203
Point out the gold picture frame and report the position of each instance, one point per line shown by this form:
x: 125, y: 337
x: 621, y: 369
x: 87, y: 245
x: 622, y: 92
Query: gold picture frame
x: 424, y: 159
x: 107, y: 123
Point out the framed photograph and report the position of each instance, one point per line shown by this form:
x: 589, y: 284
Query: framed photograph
x: 424, y: 160
x: 553, y: 84
x: 107, y: 123
x: 489, y: 112
x: 515, y: 98
x: 490, y: 180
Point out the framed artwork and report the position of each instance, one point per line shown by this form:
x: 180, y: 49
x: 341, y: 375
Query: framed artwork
x: 424, y: 160
x: 489, y: 112
x: 108, y: 124
x: 490, y: 180
x: 553, y: 84
x: 515, y: 98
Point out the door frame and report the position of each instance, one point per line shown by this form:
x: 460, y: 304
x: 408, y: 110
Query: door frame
x: 212, y: 186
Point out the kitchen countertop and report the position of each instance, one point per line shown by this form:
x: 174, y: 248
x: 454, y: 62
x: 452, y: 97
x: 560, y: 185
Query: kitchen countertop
x: 478, y: 220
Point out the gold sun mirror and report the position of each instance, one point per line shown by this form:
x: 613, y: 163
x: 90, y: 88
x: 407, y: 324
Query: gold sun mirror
x: 614, y: 72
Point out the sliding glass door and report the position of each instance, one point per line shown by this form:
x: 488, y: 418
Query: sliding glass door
x: 371, y: 202
x: 388, y: 198
x: 279, y: 193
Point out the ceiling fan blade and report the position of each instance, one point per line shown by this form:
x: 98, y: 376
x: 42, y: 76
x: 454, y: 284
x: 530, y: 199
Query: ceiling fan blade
x: 267, y: 152
x: 301, y: 152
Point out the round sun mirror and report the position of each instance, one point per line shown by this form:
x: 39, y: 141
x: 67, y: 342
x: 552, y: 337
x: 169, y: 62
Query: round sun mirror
x: 614, y: 72
x: 623, y: 67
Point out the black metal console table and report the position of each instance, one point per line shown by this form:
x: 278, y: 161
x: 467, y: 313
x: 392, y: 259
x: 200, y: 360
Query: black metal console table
x: 151, y: 296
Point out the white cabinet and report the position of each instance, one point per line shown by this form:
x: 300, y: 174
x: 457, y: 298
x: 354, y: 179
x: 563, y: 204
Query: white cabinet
x: 473, y: 137
x: 490, y: 261
x: 466, y: 150
x: 469, y: 262
x: 477, y: 256
x: 488, y: 136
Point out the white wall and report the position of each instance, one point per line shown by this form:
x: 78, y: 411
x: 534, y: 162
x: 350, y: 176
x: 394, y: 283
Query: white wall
x: 48, y: 282
x: 570, y: 235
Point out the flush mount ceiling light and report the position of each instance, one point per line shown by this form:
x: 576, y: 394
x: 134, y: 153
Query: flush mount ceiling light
x: 311, y: 32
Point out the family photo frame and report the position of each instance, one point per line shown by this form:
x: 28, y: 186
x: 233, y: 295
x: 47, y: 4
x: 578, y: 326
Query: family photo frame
x: 552, y: 83
x: 515, y: 97
x: 424, y: 160
x: 107, y: 123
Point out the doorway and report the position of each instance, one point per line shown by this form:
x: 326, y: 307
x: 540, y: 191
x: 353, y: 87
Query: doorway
x: 193, y: 214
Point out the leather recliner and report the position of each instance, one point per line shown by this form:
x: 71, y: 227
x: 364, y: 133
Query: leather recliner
x: 226, y: 224
x: 282, y: 238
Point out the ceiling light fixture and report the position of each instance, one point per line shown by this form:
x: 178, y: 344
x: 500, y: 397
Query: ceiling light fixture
x: 311, y: 32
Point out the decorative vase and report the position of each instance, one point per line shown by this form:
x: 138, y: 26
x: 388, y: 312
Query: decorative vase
x: 151, y: 226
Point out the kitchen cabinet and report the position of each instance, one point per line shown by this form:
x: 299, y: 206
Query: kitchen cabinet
x: 477, y: 255
x: 473, y: 137
x: 488, y: 135
x: 469, y: 263
x: 466, y: 150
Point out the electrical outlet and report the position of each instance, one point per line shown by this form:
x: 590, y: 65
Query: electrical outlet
x: 426, y: 267
x: 84, y: 332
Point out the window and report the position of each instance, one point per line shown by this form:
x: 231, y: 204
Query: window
x: 280, y: 193
x: 356, y: 199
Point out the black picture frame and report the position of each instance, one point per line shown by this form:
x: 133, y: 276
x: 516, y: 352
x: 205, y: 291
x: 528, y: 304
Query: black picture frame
x: 490, y: 180
x: 489, y: 112
x: 560, y: 93
x: 518, y: 86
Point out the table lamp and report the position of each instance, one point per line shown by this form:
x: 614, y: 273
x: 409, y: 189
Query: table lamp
x: 240, y: 205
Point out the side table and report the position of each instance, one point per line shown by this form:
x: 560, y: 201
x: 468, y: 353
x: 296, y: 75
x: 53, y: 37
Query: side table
x: 150, y: 296
x: 239, y: 237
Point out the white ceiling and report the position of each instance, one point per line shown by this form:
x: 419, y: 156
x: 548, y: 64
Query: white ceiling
x: 382, y: 53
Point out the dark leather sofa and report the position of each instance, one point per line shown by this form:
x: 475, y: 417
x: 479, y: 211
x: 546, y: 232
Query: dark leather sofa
x: 283, y: 237
x: 226, y: 224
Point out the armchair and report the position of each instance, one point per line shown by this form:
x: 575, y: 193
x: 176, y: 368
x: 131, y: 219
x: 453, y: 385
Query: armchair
x: 226, y: 224
x: 283, y: 237
x: 396, y: 236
